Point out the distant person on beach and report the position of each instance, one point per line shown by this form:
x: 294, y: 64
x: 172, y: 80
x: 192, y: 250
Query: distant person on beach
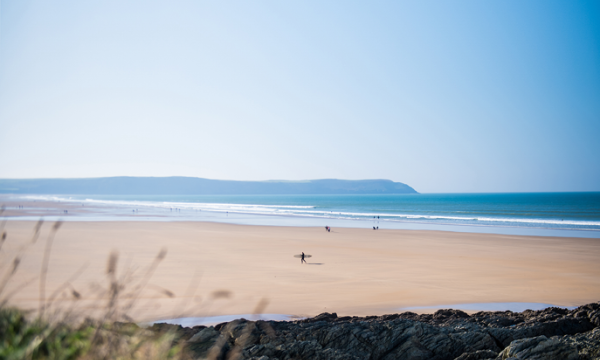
x: 302, y: 258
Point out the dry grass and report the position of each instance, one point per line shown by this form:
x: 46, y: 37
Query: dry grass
x: 60, y: 327
x: 60, y: 333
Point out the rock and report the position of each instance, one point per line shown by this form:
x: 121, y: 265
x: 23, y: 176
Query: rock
x: 539, y: 348
x: 552, y: 333
x: 182, y: 334
x: 587, y: 344
x: 478, y: 355
x: 204, y: 335
x: 203, y: 341
x: 321, y: 317
x: 218, y: 350
x: 444, y: 314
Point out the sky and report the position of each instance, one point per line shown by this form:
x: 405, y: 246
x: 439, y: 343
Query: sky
x: 455, y: 96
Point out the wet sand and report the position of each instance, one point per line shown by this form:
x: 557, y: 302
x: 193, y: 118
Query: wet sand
x: 351, y: 271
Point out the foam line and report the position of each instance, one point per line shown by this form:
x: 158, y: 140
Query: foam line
x: 312, y: 211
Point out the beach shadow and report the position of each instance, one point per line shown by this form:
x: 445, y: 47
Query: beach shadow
x: 315, y: 264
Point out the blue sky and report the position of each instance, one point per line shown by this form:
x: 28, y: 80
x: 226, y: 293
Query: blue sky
x: 461, y: 96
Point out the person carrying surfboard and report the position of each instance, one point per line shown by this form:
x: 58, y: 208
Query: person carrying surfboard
x: 302, y: 257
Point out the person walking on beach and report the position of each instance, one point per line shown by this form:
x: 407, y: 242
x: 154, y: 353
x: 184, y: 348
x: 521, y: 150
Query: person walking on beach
x: 302, y: 258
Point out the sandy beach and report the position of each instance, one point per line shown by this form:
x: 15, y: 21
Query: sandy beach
x: 351, y: 271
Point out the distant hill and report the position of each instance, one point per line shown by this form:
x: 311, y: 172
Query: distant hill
x: 178, y: 185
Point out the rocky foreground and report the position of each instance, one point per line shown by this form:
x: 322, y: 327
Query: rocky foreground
x: 553, y: 333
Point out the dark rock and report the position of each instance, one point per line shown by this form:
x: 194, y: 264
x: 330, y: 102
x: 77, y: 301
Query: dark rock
x: 181, y: 333
x: 204, y: 335
x: 321, y: 317
x: 539, y: 347
x: 344, y: 318
x: 444, y: 314
x: 164, y: 327
x: 553, y: 333
x: 478, y: 355
x: 203, y: 341
x: 219, y: 326
x: 587, y: 344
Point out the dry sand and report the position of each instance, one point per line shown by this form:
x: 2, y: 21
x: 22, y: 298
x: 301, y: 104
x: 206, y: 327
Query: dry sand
x: 351, y: 271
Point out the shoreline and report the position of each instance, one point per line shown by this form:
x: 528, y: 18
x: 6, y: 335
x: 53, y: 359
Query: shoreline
x: 53, y: 210
x: 352, y: 272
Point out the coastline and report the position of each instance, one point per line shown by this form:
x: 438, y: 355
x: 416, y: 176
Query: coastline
x: 353, y: 272
x: 31, y: 208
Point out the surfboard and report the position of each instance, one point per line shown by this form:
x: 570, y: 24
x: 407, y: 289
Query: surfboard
x: 305, y: 256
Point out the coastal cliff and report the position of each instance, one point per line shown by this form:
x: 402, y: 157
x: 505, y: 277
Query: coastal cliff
x: 552, y: 333
x: 179, y: 185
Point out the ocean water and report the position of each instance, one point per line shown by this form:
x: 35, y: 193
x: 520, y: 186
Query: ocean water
x: 529, y: 212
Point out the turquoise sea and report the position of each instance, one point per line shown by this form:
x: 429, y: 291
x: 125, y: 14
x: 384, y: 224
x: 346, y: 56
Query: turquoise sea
x: 532, y: 213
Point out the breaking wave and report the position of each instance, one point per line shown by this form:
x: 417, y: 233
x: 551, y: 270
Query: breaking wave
x: 317, y: 211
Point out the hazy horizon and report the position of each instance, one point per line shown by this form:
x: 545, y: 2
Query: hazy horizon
x: 296, y: 181
x: 462, y: 97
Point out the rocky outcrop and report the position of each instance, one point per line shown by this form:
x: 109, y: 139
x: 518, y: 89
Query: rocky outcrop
x: 553, y: 333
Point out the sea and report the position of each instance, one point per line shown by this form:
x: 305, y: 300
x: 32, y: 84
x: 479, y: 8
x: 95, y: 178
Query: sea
x: 574, y: 214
